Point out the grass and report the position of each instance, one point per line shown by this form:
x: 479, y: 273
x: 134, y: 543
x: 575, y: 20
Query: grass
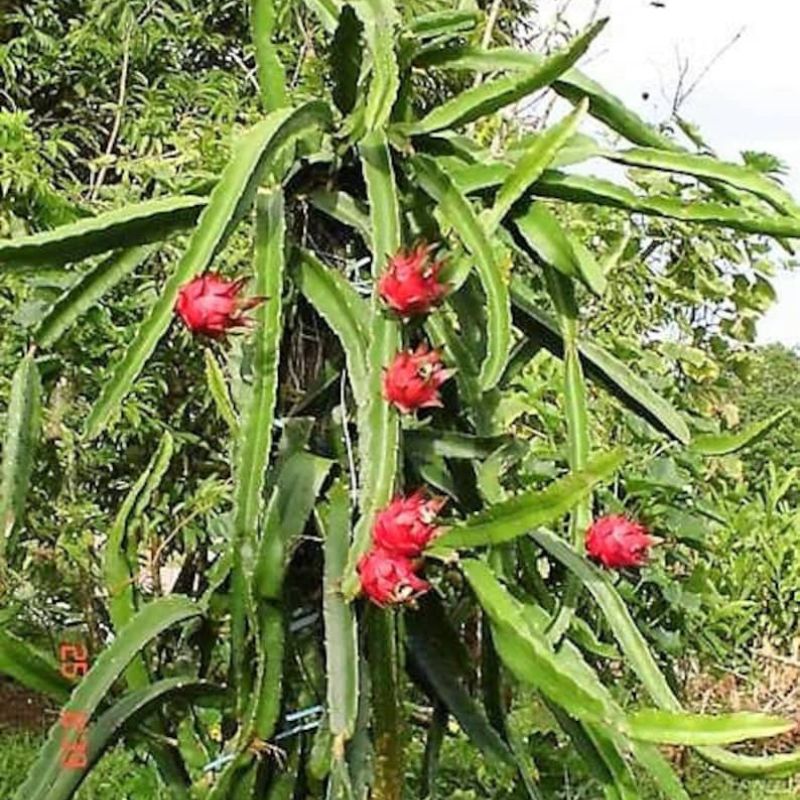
x: 462, y: 775
x: 703, y: 782
x: 118, y: 776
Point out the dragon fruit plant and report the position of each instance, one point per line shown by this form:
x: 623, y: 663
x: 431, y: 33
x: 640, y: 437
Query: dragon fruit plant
x: 434, y: 315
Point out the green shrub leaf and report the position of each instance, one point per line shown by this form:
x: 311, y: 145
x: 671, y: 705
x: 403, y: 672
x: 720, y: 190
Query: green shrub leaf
x: 346, y: 313
x: 229, y: 202
x: 641, y: 660
x: 218, y: 387
x: 123, y: 716
x: 270, y: 71
x: 380, y: 18
x: 459, y: 213
x: 633, y: 391
x: 526, y: 653
x: 89, y: 288
x: 443, y: 23
x: 721, y: 444
x: 23, y: 423
x: 95, y: 686
x: 31, y: 667
x: 531, y: 165
x: 490, y: 97
x: 667, y: 727
x: 378, y: 426
x: 543, y: 234
x: 345, y: 60
x: 587, y: 189
x: 439, y: 655
x: 258, y: 416
x: 523, y: 513
x: 341, y: 628
x: 135, y: 224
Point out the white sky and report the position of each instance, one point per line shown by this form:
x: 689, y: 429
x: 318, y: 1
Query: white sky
x: 749, y: 100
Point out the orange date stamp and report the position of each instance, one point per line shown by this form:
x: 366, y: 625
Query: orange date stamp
x: 74, y: 664
x: 73, y: 660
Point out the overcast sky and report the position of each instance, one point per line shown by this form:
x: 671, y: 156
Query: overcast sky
x: 748, y: 100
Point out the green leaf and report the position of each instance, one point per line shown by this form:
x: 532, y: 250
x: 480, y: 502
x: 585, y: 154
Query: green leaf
x: 583, y: 634
x: 378, y: 426
x: 218, y: 386
x: 531, y: 165
x: 526, y: 653
x: 428, y: 442
x: 490, y: 97
x: 299, y: 483
x: 707, y: 167
x: 293, y: 499
x: 543, y: 234
x: 96, y: 685
x: 343, y: 310
x: 641, y: 660
x: 124, y: 715
x: 379, y: 435
x: 442, y: 333
x: 345, y: 60
x: 587, y: 189
x: 576, y: 188
x: 623, y: 781
x: 345, y: 209
x: 272, y: 648
x: 89, y: 288
x: 603, y: 746
x: 572, y: 84
x: 380, y: 18
x: 120, y: 554
x: 526, y: 511
x: 443, y: 23
x: 294, y: 493
x: 478, y: 59
x: 576, y: 414
x: 327, y: 11
x: 460, y: 214
x: 598, y: 752
x: 387, y: 711
x: 575, y: 86
x: 434, y: 738
x: 229, y: 202
x: 32, y: 668
x: 139, y: 223
x: 722, y: 444
x: 476, y: 177
x: 270, y: 71
x: 341, y: 628
x: 617, y: 614
x: 23, y: 422
x: 258, y: 416
x: 438, y: 654
x: 660, y: 769
x: 668, y: 727
x: 633, y: 391
x: 384, y: 208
